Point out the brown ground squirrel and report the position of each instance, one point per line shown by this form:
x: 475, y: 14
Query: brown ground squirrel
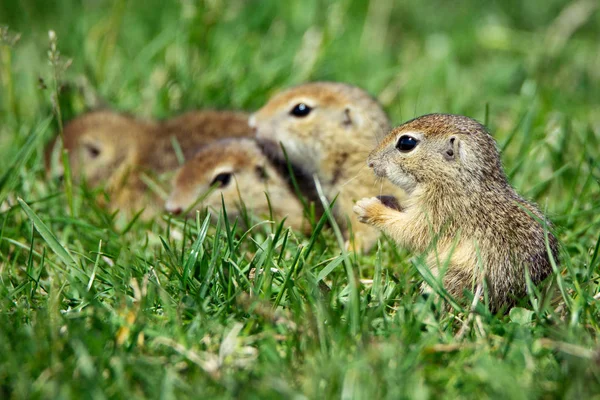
x: 239, y: 171
x: 460, y: 208
x: 114, y: 150
x: 328, y: 129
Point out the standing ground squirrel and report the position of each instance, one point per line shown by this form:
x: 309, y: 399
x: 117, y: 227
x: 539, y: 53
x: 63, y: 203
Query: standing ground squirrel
x: 327, y: 130
x: 239, y: 171
x: 459, y: 208
x: 115, y: 150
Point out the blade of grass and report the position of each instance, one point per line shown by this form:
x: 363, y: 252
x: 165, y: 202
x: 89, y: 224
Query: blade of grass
x: 10, y: 177
x: 196, y: 253
x: 47, y: 234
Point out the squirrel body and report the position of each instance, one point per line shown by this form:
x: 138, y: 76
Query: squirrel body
x: 460, y: 208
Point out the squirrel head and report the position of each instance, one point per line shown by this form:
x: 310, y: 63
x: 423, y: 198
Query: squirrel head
x: 313, y: 120
x: 226, y: 170
x: 438, y: 149
x: 99, y: 144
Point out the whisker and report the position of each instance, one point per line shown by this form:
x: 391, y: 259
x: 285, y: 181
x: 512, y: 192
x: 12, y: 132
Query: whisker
x: 354, y: 177
x: 376, y: 181
x: 362, y: 165
x: 349, y: 180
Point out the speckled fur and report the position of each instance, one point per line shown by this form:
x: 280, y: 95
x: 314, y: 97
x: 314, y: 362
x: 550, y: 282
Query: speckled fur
x: 463, y: 200
x: 331, y: 142
x: 253, y: 175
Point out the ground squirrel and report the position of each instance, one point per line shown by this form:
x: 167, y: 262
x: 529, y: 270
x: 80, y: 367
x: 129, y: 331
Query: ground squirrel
x: 327, y: 130
x: 460, y: 208
x: 239, y: 172
x: 114, y: 150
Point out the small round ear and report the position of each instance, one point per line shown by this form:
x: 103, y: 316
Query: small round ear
x: 261, y: 172
x: 450, y: 151
x: 351, y: 118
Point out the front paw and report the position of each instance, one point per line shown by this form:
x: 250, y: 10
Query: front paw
x: 366, y: 208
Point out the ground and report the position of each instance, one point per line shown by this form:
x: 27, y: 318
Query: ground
x: 92, y: 306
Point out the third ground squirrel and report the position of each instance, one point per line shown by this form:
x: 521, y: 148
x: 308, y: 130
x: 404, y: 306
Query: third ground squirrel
x: 460, y: 208
x: 327, y: 130
x: 240, y: 175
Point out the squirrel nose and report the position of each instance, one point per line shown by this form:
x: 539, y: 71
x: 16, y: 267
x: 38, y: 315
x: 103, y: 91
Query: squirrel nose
x: 173, y: 208
x: 176, y: 210
x: 371, y: 164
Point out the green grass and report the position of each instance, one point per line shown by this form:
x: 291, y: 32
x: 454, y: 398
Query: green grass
x: 94, y: 307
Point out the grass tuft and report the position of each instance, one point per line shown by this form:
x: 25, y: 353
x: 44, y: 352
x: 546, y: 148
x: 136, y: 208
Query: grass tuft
x: 93, y: 304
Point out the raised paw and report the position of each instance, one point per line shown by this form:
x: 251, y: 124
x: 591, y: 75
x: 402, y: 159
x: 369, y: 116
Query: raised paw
x: 365, y: 208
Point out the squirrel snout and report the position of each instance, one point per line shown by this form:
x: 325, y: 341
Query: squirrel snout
x: 173, y: 208
x: 377, y: 167
x: 371, y: 161
x: 176, y: 211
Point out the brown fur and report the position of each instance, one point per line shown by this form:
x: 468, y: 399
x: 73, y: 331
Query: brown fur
x: 252, y: 175
x: 460, y: 208
x: 330, y: 142
x: 99, y: 143
x: 195, y: 129
x: 114, y: 150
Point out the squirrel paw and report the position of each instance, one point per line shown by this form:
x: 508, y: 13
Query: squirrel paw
x: 365, y: 208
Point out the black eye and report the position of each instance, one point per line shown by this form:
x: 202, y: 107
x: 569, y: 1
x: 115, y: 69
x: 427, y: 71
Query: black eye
x: 300, y: 110
x: 92, y: 150
x: 222, y: 179
x: 406, y: 143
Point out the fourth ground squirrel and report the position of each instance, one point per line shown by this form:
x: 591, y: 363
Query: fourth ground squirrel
x: 460, y: 208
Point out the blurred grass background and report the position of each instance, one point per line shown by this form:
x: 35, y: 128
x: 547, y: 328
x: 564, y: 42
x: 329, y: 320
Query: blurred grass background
x: 117, y: 312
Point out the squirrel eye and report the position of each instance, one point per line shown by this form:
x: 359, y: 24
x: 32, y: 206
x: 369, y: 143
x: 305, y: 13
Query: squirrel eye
x: 406, y: 143
x: 300, y: 110
x: 92, y: 150
x: 222, y: 179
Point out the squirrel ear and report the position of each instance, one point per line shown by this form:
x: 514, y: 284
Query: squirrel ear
x: 261, y: 172
x: 347, y: 118
x: 450, y: 150
x: 351, y: 117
